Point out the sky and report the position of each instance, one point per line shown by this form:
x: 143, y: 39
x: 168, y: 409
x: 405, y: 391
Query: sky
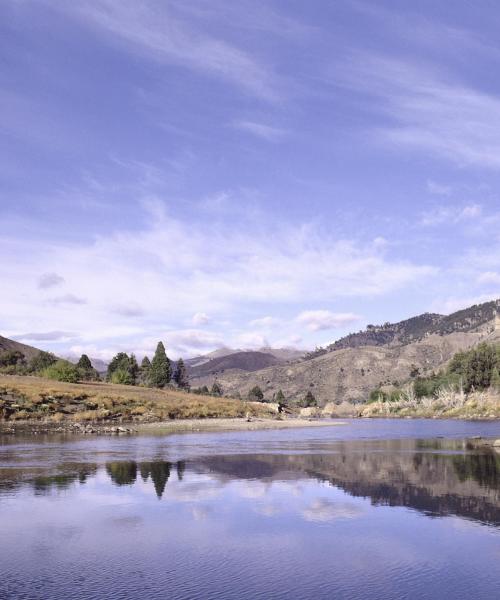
x: 243, y: 173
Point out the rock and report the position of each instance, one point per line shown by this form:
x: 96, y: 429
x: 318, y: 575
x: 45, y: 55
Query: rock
x: 496, y: 443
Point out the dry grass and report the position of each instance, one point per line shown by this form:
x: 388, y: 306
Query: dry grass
x: 448, y: 403
x: 31, y: 398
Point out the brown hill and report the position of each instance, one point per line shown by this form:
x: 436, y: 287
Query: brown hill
x: 7, y: 345
x: 240, y: 361
x: 351, y: 372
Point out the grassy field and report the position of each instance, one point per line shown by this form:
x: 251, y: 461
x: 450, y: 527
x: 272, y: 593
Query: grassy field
x: 44, y: 400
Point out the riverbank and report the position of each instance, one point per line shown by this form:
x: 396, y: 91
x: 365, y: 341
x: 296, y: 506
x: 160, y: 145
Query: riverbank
x: 163, y: 427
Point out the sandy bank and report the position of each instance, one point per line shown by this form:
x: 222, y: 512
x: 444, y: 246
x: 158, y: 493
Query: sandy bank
x: 232, y: 424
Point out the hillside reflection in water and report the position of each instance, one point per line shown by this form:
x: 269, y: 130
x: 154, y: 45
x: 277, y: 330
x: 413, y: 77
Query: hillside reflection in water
x: 268, y: 524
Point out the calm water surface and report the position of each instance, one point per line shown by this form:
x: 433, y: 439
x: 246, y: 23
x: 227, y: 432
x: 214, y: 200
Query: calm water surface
x: 371, y: 509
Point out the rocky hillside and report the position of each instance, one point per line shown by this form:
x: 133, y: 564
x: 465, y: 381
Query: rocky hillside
x: 350, y: 373
x: 416, y: 328
x: 7, y: 345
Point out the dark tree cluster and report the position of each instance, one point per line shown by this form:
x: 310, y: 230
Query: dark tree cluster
x: 157, y: 373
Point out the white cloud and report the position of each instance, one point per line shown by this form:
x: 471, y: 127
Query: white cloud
x: 264, y: 322
x: 453, y: 303
x: 319, y: 320
x: 451, y: 214
x: 252, y: 340
x: 489, y: 277
x: 323, y: 510
x: 200, y: 318
x: 267, y: 132
x: 438, y: 189
x: 223, y: 269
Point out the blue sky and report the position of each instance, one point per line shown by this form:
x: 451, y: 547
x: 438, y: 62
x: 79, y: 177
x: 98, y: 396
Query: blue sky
x: 243, y: 173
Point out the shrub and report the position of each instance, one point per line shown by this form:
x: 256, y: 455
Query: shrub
x: 62, y: 370
x: 42, y: 361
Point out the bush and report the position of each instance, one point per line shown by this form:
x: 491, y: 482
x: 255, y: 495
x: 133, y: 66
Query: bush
x: 122, y: 376
x: 42, y: 361
x: 62, y: 370
x: 11, y: 358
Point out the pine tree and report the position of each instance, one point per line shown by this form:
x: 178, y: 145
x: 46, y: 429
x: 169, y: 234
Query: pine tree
x: 86, y: 370
x: 216, y: 389
x: 180, y: 375
x: 256, y: 394
x: 310, y: 400
x: 160, y: 373
x: 280, y: 397
x: 133, y: 368
x: 84, y: 363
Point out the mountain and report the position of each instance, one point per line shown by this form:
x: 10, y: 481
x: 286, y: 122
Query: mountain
x: 240, y: 361
x: 7, y: 345
x: 415, y: 328
x: 381, y: 355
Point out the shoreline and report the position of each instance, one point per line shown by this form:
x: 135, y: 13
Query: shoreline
x: 164, y: 427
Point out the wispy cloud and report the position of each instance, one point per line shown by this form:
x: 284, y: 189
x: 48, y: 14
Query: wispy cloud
x: 45, y: 336
x: 438, y: 189
x: 451, y: 214
x: 223, y: 270
x: 429, y: 110
x: 320, y: 320
x: 162, y: 33
x: 261, y: 130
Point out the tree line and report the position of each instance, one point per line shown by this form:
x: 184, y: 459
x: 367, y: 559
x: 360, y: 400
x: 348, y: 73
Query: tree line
x: 122, y: 369
x: 469, y: 370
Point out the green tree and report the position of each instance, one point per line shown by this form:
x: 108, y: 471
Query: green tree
x: 256, y: 394
x: 84, y: 363
x: 62, y: 370
x: 123, y: 369
x: 482, y: 361
x: 280, y: 397
x: 86, y: 370
x: 11, y: 357
x: 133, y: 367
x: 160, y: 371
x: 216, y: 389
x: 180, y: 376
x: 309, y: 400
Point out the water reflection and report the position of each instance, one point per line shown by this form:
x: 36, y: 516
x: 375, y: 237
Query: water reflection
x: 434, y: 477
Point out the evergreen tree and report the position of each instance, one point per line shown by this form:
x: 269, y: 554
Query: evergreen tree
x: 160, y: 373
x: 216, y: 389
x: 256, y: 394
x: 480, y: 367
x: 145, y: 370
x: 86, y: 370
x: 123, y: 369
x: 133, y: 367
x: 84, y: 362
x: 309, y: 400
x: 180, y: 375
x: 280, y: 397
